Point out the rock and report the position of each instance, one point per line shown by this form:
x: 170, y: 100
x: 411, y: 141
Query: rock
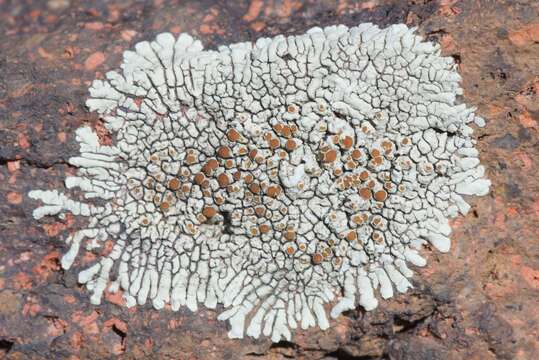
x: 478, y: 304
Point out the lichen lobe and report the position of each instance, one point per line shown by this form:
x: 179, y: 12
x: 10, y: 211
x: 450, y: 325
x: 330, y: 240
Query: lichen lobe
x: 271, y: 178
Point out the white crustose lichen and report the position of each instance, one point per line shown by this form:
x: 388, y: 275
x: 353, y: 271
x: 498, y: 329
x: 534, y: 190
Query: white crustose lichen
x: 272, y: 178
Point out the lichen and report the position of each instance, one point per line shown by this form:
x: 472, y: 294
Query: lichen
x: 272, y: 178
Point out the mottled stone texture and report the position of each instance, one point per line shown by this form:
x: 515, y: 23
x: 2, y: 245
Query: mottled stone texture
x: 479, y: 302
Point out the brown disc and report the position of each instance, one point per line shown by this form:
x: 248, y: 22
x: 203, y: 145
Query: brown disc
x: 317, y: 258
x: 174, y: 184
x: 209, y: 212
x: 380, y: 195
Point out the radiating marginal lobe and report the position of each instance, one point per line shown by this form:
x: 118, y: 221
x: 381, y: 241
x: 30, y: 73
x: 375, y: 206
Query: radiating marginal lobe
x: 273, y: 177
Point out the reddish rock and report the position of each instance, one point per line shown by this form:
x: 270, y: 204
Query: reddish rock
x: 94, y: 60
x: 477, y: 302
x: 14, y: 198
x: 526, y: 35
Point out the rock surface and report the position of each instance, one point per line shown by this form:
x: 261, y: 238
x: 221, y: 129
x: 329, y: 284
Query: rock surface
x: 477, y: 302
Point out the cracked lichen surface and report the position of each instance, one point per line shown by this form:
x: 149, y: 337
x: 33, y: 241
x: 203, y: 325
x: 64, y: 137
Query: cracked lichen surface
x: 272, y: 178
